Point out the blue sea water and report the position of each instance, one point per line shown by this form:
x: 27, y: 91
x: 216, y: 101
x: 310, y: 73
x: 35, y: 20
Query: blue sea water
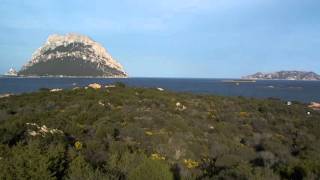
x: 304, y: 91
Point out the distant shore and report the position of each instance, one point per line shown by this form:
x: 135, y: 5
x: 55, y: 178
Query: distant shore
x: 231, y: 80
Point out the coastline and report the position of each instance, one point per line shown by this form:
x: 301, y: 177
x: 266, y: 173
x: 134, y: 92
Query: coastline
x: 230, y: 80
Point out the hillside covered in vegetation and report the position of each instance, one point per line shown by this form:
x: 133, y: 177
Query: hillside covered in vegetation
x: 134, y: 133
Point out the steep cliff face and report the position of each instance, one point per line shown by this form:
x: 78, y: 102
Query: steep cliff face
x: 285, y: 75
x: 72, y: 55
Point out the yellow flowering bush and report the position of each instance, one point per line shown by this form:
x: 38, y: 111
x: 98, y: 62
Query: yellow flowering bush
x: 244, y: 114
x: 78, y: 145
x: 191, y: 163
x: 149, y: 133
x: 156, y: 156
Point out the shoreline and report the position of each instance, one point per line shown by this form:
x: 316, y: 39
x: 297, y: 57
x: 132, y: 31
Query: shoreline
x: 61, y: 77
x: 226, y: 80
x: 302, y: 91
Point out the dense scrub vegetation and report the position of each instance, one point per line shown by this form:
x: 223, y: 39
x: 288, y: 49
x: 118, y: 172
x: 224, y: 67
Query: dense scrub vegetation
x: 134, y: 133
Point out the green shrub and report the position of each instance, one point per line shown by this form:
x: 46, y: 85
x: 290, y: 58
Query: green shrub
x: 120, y: 84
x: 80, y: 169
x: 151, y: 169
x: 29, y: 162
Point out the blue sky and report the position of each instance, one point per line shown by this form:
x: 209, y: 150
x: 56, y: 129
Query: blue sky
x: 173, y: 38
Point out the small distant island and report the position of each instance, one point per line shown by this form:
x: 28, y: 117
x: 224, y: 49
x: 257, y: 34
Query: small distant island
x: 11, y: 72
x: 285, y: 75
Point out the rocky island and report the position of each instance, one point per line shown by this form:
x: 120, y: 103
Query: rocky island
x: 72, y: 55
x: 11, y: 72
x: 285, y: 75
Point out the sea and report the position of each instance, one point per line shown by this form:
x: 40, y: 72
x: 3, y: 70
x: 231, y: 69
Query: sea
x: 303, y: 91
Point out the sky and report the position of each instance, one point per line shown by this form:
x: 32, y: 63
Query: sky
x: 173, y: 38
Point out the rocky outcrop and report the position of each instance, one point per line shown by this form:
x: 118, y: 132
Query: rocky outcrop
x: 285, y: 75
x: 5, y: 95
x: 95, y: 86
x: 314, y: 106
x: 11, y: 72
x: 72, y: 55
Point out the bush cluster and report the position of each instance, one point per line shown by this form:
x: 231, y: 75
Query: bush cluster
x: 134, y: 133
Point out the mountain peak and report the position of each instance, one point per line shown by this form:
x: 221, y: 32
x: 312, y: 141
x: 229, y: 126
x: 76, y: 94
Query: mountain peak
x: 69, y: 55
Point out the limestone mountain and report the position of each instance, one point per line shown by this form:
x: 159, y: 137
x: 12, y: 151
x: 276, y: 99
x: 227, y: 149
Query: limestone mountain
x: 72, y: 55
